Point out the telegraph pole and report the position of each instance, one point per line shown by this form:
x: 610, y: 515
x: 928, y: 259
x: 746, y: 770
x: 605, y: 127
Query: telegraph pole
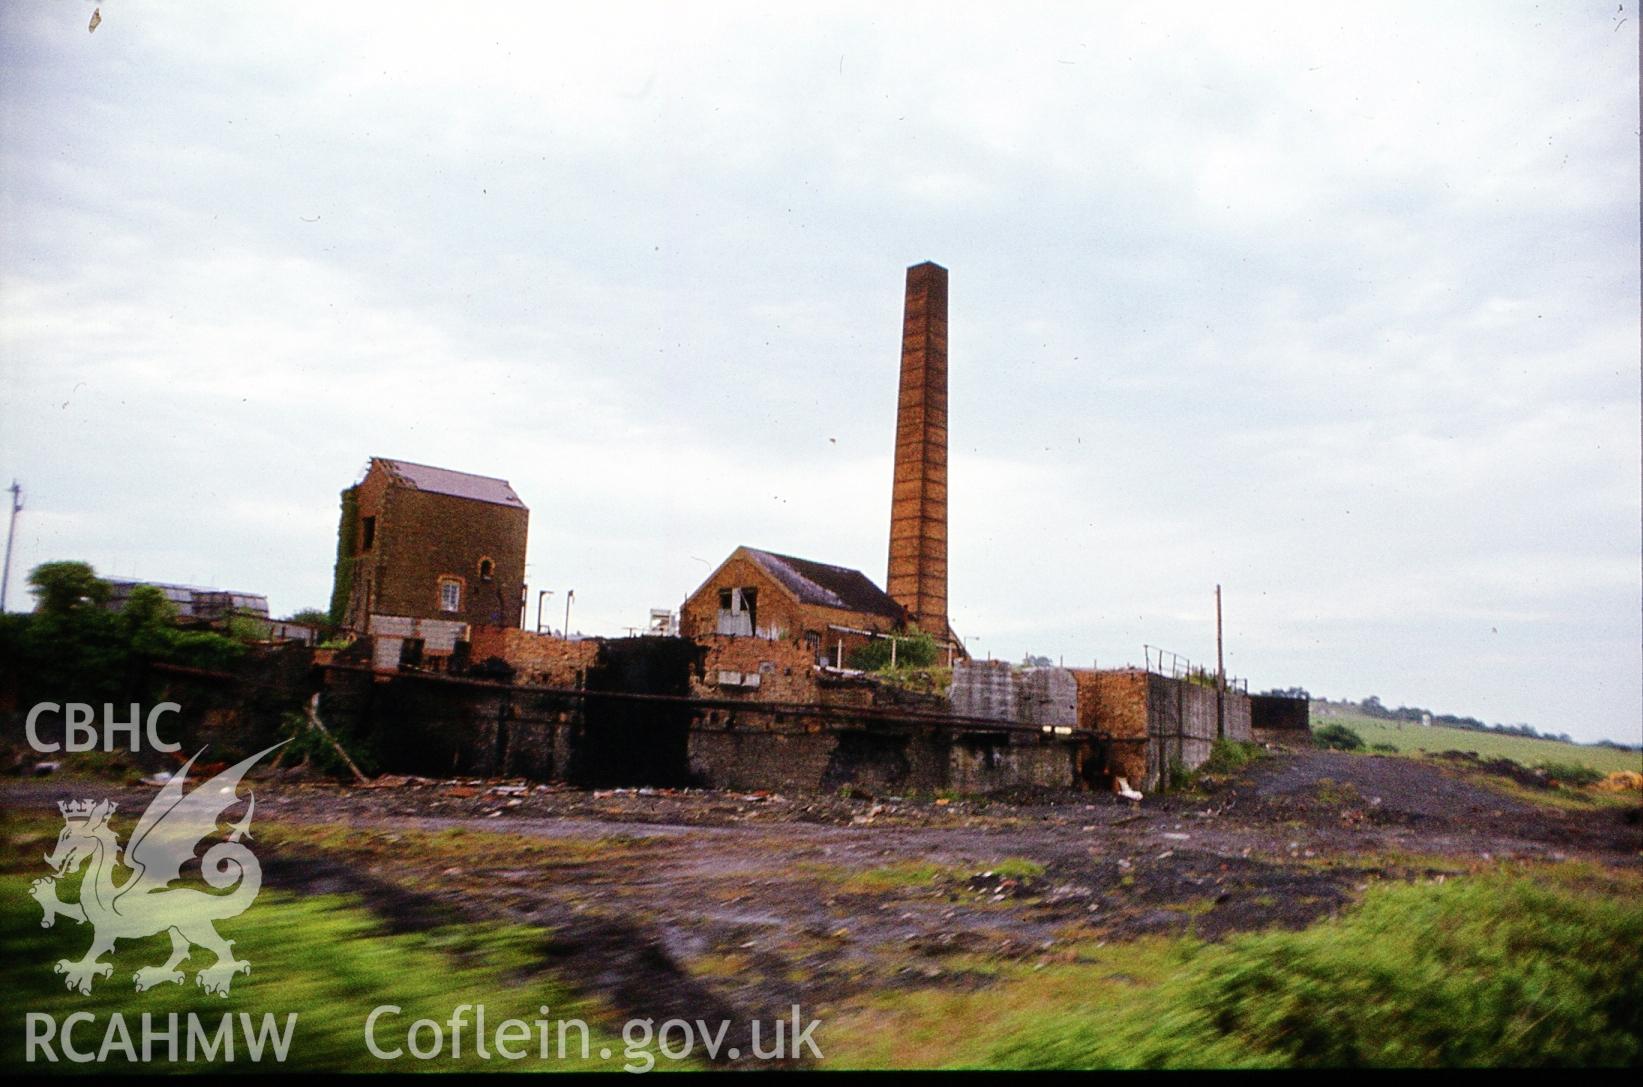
x: 11, y: 532
x: 1220, y: 674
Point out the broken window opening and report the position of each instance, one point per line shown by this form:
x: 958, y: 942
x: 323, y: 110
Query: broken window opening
x: 410, y: 652
x: 738, y: 611
x: 368, y: 532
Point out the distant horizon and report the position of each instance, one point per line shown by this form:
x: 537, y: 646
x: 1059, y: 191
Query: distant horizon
x: 1491, y: 726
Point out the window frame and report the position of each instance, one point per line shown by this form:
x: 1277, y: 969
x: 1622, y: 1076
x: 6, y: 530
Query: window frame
x: 461, y: 586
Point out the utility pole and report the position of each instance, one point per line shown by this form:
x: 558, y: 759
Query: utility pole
x: 570, y: 594
x: 540, y: 597
x: 1220, y: 674
x: 11, y: 532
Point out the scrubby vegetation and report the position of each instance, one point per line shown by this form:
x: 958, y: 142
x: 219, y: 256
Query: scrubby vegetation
x: 1338, y: 738
x: 1231, y: 756
x: 71, y: 643
x: 917, y: 650
x: 1571, y: 773
x: 1499, y: 969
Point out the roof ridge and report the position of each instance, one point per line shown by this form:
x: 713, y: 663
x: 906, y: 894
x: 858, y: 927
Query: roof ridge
x: 440, y: 468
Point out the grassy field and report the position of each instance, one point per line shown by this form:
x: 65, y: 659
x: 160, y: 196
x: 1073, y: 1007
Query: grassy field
x: 1414, y: 738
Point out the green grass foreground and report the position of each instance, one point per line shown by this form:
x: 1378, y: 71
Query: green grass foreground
x: 326, y: 958
x: 1528, y: 967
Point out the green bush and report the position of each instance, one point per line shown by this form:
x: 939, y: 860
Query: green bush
x: 917, y: 650
x: 1384, y: 749
x: 1230, y: 756
x: 1498, y: 969
x: 1338, y: 738
x: 1572, y: 773
x: 1178, y: 778
x: 308, y: 743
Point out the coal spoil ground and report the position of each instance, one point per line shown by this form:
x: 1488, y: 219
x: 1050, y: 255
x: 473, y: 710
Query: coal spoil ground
x: 668, y: 902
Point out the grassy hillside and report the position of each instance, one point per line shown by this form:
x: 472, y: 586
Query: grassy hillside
x: 1530, y: 752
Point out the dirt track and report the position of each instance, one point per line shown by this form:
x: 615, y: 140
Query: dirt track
x: 674, y: 902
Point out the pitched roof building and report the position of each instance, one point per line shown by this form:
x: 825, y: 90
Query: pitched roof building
x: 755, y: 593
x: 429, y: 550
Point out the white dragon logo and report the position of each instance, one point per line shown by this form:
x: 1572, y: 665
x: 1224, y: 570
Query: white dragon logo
x: 141, y: 906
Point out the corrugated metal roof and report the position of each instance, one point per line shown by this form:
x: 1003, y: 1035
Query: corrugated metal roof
x: 192, y: 601
x: 828, y: 586
x: 425, y: 477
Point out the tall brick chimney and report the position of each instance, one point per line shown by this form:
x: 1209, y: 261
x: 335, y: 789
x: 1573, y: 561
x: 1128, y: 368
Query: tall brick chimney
x: 918, y: 504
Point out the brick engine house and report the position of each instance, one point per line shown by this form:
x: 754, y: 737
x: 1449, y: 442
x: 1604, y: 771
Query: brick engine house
x: 423, y: 553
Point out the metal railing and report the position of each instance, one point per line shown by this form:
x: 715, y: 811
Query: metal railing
x: 1165, y: 662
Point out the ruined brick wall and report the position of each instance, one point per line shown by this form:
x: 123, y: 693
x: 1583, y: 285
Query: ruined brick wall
x: 1154, y: 721
x: 537, y: 659
x: 786, y: 669
x: 1113, y: 703
x: 369, y: 498
x: 750, y: 750
x: 418, y: 537
x: 776, y: 613
x: 975, y: 766
x: 743, y: 757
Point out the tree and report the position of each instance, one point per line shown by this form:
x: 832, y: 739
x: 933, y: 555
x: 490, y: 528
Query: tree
x: 244, y: 627
x: 148, y: 606
x: 151, y: 621
x: 64, y: 587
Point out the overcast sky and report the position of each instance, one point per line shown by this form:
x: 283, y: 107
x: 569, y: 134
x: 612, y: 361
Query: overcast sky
x: 1336, y: 305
